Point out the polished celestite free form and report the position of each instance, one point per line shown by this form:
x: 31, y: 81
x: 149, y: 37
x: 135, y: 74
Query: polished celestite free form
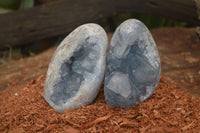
x: 77, y: 68
x: 133, y: 65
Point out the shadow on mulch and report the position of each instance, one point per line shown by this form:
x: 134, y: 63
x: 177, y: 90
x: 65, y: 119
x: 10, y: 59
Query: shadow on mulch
x: 169, y: 109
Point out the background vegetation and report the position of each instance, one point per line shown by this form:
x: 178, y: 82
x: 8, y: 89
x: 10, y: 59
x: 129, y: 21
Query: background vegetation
x: 110, y: 24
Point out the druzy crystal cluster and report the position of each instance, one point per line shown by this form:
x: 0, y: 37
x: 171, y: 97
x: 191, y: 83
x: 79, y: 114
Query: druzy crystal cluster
x: 77, y: 68
x: 76, y: 71
x: 133, y: 65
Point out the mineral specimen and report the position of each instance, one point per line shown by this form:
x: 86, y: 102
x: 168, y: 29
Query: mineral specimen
x: 133, y: 65
x: 77, y: 68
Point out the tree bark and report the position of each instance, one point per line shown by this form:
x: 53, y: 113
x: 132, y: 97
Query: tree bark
x: 63, y: 16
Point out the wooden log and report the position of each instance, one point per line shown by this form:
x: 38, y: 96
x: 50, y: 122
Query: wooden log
x: 63, y: 16
x: 198, y: 7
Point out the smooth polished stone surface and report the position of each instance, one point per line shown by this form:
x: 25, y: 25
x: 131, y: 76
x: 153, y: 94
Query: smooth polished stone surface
x: 77, y: 68
x: 133, y: 65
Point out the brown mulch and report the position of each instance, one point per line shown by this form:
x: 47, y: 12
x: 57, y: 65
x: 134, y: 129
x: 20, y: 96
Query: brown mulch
x: 169, y: 109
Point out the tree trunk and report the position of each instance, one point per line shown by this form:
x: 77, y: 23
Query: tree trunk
x: 63, y: 16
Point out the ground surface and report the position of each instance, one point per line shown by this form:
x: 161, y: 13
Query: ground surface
x: 170, y: 109
x: 179, y: 50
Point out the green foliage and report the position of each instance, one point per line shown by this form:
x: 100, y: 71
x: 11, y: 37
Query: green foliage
x: 151, y: 21
x: 26, y: 4
x: 9, y: 4
x: 11, y: 53
x: 154, y: 21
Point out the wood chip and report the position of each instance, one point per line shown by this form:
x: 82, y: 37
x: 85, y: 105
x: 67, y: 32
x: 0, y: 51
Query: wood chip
x: 49, y: 127
x: 69, y: 129
x: 98, y: 120
x: 187, y: 126
x: 29, y: 111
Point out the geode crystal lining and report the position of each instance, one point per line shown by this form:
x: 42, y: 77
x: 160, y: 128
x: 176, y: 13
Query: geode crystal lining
x: 77, y: 68
x: 133, y: 65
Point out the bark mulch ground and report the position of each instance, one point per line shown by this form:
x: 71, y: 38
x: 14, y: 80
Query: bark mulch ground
x: 169, y: 109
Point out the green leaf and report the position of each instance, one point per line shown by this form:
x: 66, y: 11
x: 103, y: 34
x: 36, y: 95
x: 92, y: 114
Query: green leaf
x: 26, y: 4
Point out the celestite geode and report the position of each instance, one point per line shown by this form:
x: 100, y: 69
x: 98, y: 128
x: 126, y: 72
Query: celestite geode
x: 77, y: 68
x: 133, y: 65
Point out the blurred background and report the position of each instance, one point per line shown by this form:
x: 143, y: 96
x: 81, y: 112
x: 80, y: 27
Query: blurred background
x: 178, y: 42
x: 109, y: 24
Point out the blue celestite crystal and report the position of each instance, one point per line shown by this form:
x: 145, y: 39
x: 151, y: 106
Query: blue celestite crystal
x: 77, y: 68
x: 133, y: 65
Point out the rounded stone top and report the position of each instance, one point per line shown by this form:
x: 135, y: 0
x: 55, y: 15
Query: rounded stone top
x: 76, y: 71
x: 133, y: 65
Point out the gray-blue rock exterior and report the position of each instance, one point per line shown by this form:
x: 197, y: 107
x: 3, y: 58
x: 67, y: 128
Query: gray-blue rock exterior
x: 77, y: 68
x: 133, y: 65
